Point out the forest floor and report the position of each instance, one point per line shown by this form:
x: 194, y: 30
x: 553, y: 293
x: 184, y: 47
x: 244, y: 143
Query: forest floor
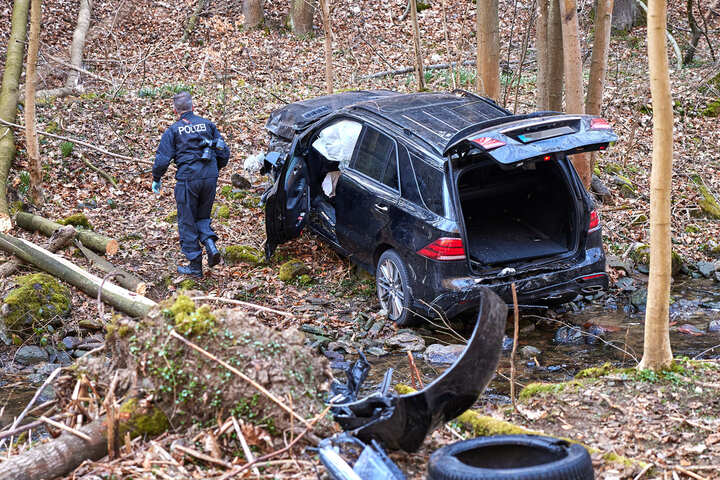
x: 238, y: 77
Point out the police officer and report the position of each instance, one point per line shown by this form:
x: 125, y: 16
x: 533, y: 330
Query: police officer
x: 199, y: 152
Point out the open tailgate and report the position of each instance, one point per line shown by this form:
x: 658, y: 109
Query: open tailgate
x: 536, y: 137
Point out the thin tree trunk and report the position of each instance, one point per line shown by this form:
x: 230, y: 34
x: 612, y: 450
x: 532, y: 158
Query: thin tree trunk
x: 301, y: 17
x: 9, y: 100
x: 488, y: 49
x: 419, y: 70
x: 192, y: 21
x: 78, y: 42
x: 574, y: 78
x: 556, y: 63
x: 95, y: 241
x: 541, y: 47
x: 253, y: 12
x: 695, y: 34
x: 657, y: 353
x: 325, y: 6
x: 31, y: 140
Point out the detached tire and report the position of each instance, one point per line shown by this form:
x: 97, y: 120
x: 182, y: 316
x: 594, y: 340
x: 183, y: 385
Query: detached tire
x: 393, y: 288
x: 517, y: 457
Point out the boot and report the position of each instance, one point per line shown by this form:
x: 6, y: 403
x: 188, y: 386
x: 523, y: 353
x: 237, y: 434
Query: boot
x: 213, y: 255
x: 194, y: 269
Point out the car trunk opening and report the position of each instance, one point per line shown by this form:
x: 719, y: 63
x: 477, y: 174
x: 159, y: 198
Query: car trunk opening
x: 516, y: 214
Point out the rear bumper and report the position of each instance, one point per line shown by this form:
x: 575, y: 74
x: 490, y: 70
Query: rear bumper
x: 455, y: 295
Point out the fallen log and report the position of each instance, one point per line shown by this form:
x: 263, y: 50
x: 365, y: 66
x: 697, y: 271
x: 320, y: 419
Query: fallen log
x: 59, y: 240
x: 99, y: 243
x: 120, y: 298
x: 125, y: 279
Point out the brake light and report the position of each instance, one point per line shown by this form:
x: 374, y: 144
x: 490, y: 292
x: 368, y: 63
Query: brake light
x: 593, y: 277
x: 594, y: 221
x: 488, y: 143
x: 547, y: 158
x: 599, y: 124
x: 444, y: 248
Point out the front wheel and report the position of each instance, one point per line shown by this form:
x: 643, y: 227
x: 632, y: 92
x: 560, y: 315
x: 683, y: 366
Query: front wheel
x: 393, y: 287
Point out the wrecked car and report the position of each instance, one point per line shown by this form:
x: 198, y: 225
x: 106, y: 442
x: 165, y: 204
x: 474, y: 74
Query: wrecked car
x: 438, y: 195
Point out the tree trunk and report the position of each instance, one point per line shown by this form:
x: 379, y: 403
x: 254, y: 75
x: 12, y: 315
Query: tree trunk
x: 301, y: 17
x: 695, y: 34
x: 78, y: 42
x: 419, y: 70
x: 657, y: 353
x: 31, y: 140
x: 192, y: 21
x: 9, y: 100
x: 90, y: 239
x: 253, y: 12
x: 124, y: 279
x: 542, y: 53
x: 325, y: 6
x: 125, y: 301
x: 574, y: 78
x: 556, y: 63
x: 488, y: 49
x: 60, y: 239
x: 625, y: 15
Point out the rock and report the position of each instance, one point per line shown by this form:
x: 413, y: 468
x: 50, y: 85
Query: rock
x: 30, y: 355
x: 238, y: 181
x: 627, y: 189
x: 4, y: 337
x: 439, y: 354
x: 90, y: 324
x: 569, y: 336
x: 71, y: 342
x: 507, y: 343
x: 626, y: 284
x: 706, y: 269
x: 596, y: 333
x: 52, y: 353
x: 376, y: 351
x: 406, y: 341
x: 79, y: 353
x: 640, y: 254
x: 63, y: 359
x: 639, y: 298
x: 39, y: 298
x: 46, y: 369
x: 617, y: 263
x: 292, y: 269
x: 309, y: 328
x: 528, y: 351
x: 233, y: 254
x: 601, y: 191
x: 714, y: 326
x: 377, y: 326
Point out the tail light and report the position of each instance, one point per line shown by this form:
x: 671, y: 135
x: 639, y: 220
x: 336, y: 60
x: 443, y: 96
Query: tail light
x: 488, y: 143
x: 599, y: 124
x: 444, y: 248
x: 594, y: 221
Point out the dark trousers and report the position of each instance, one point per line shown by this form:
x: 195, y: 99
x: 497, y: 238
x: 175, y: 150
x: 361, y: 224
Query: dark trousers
x: 194, y: 200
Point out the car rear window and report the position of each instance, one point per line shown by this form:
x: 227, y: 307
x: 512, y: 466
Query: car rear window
x: 373, y: 153
x: 431, y: 184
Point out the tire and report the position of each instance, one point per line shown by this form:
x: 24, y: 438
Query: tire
x: 393, y: 288
x: 517, y: 457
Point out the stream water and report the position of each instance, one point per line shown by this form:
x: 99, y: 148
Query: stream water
x: 695, y: 304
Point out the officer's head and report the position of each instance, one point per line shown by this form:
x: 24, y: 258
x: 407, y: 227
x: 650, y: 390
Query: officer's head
x: 182, y: 102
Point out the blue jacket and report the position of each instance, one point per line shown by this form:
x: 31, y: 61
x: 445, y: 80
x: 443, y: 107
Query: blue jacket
x: 183, y: 143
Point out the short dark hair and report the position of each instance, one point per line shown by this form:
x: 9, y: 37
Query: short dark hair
x: 183, y: 102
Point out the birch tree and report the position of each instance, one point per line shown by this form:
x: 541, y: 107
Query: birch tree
x: 78, y: 42
x: 488, y: 49
x: 31, y: 140
x: 419, y: 71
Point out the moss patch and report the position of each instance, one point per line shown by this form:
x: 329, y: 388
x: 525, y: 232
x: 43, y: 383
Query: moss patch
x: 291, y: 269
x: 39, y: 298
x: 141, y: 418
x: 188, y: 284
x: 190, y: 320
x: 242, y: 254
x: 76, y: 220
x: 538, y: 388
x: 223, y: 211
x: 171, y: 218
x: 706, y: 201
x: 712, y: 109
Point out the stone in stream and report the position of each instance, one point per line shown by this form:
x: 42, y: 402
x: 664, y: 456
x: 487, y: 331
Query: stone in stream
x: 569, y: 336
x: 528, y: 351
x: 79, y: 353
x: 638, y: 298
x: 595, y: 334
x: 706, y: 269
x: 439, y: 354
x: 63, y: 359
x: 376, y: 351
x: 406, y: 341
x: 30, y: 355
x: 714, y: 326
x: 71, y: 342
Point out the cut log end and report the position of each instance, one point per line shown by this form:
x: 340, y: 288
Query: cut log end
x: 5, y: 223
x: 112, y: 247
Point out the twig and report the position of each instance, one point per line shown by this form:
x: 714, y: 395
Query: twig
x: 206, y: 458
x: 29, y: 426
x: 689, y: 473
x: 78, y: 69
x: 516, y: 314
x: 47, y: 382
x: 400, y: 71
x: 237, y: 372
x: 243, y: 443
x: 245, y: 304
x: 643, y: 471
x: 101, y: 172
x: 414, y: 370
x: 62, y: 426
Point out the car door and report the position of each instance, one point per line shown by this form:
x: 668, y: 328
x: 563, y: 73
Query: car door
x: 367, y: 194
x: 287, y: 204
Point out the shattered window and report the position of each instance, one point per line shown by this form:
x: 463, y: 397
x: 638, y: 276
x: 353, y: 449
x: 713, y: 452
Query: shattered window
x: 337, y: 141
x: 373, y: 153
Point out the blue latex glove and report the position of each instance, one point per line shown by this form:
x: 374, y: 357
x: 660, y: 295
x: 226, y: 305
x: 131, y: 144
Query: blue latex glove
x: 156, y: 186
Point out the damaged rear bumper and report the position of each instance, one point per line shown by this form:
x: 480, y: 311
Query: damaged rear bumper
x: 583, y: 278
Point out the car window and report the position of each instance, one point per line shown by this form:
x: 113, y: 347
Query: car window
x: 391, y: 172
x: 373, y: 153
x: 336, y: 142
x: 408, y: 185
x: 431, y: 184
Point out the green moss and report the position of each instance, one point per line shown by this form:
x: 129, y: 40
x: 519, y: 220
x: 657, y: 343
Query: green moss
x: 485, y: 426
x: 171, y: 218
x: 250, y: 202
x: 15, y: 207
x: 188, y: 284
x: 712, y: 109
x: 423, y: 6
x: 190, y: 320
x: 707, y: 201
x: 52, y: 127
x: 242, y: 254
x: 305, y: 279
x: 137, y: 419
x: 223, y: 211
x: 692, y: 229
x: 38, y: 297
x: 76, y: 220
x: 641, y: 255
x: 291, y: 269
x: 595, y: 372
x: 66, y: 148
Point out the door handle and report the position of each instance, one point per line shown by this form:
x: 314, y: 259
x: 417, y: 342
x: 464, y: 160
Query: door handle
x: 381, y: 207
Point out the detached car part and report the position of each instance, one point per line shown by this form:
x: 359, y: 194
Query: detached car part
x: 403, y: 421
x: 372, y: 463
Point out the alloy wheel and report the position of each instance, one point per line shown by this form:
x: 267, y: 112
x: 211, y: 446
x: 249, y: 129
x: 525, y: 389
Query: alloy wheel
x: 390, y: 289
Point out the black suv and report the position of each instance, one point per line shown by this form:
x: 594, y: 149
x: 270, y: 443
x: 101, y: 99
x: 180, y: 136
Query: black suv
x: 439, y: 194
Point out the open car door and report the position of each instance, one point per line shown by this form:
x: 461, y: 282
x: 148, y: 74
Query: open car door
x: 287, y: 204
x: 534, y: 137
